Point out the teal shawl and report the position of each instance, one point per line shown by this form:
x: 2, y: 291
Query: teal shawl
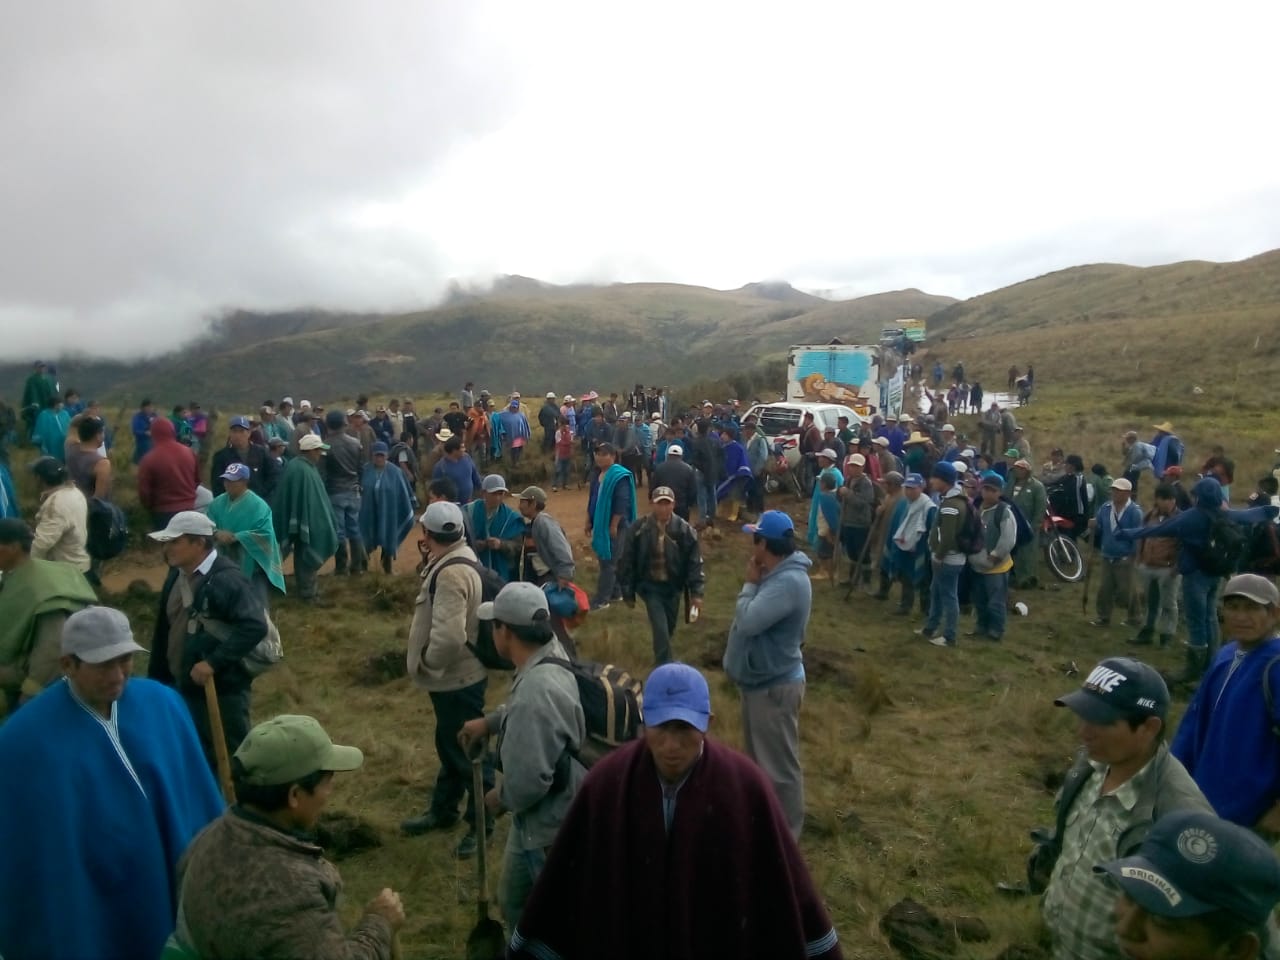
x: 507, y: 524
x: 817, y: 503
x: 601, y: 542
x: 249, y: 518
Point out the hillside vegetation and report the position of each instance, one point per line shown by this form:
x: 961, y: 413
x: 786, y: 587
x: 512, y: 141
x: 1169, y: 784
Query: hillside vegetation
x: 521, y: 333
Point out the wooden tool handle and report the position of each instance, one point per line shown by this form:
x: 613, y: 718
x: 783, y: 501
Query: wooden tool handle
x: 219, y: 741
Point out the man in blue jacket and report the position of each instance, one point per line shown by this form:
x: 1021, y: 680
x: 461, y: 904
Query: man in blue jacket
x: 1199, y: 587
x: 763, y: 656
x: 1227, y: 739
x: 1115, y: 573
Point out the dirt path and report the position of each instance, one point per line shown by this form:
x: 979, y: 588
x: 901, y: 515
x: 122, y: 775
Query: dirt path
x: 147, y: 565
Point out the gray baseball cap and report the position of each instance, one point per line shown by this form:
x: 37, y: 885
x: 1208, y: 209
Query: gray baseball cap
x: 520, y: 604
x: 494, y: 483
x: 98, y: 634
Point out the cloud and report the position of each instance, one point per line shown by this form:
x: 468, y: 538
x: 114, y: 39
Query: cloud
x: 169, y: 161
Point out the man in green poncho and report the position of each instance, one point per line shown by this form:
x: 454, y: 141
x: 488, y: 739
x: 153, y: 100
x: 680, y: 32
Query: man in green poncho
x: 35, y: 396
x: 245, y: 531
x: 303, y: 517
x: 36, y: 597
x: 50, y: 433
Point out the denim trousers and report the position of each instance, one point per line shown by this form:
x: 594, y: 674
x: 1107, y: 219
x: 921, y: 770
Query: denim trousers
x: 944, y: 599
x: 346, y: 515
x: 990, y: 593
x: 1199, y: 602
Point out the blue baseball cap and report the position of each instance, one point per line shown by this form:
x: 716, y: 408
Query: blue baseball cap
x: 236, y: 471
x: 676, y: 691
x: 378, y: 447
x: 1193, y: 863
x: 913, y: 480
x: 240, y: 422
x: 992, y: 479
x: 944, y: 471
x: 772, y: 525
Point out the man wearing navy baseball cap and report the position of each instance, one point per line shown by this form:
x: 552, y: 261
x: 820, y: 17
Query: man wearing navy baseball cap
x: 1198, y: 887
x: 714, y: 814
x: 763, y: 656
x: 1124, y: 780
x: 264, y: 472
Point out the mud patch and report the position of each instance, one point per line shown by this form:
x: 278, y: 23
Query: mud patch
x: 343, y: 835
x: 916, y: 933
x: 381, y: 668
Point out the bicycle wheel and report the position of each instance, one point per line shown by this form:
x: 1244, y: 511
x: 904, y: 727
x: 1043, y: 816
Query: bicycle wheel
x: 1064, y: 559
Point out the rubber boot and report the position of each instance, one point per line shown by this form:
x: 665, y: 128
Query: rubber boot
x: 1193, y: 666
x: 359, y: 558
x: 1144, y: 638
x: 340, y: 560
x: 386, y: 562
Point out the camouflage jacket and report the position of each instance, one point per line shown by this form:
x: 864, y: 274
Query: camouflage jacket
x: 248, y: 889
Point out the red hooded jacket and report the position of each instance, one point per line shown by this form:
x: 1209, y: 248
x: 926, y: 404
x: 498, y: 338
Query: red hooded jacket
x: 169, y: 474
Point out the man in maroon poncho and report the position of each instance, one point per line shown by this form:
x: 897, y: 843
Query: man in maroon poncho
x: 675, y: 847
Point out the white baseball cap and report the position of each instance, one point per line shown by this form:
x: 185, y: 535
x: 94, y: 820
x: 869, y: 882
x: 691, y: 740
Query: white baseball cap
x: 98, y: 634
x: 312, y: 441
x: 675, y: 450
x: 187, y: 523
x: 442, y: 516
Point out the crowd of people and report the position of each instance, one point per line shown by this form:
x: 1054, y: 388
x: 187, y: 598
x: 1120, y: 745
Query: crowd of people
x: 906, y: 502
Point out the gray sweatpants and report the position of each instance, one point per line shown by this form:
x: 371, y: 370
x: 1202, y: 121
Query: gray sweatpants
x: 771, y: 737
x: 1160, y: 586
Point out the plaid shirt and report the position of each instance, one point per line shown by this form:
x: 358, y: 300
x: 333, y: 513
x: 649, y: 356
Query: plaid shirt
x: 1078, y: 904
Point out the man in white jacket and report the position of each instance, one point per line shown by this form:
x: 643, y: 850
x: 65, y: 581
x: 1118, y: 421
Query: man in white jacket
x: 991, y: 565
x: 439, y: 661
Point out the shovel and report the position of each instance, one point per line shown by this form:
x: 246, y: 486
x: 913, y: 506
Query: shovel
x: 486, y: 940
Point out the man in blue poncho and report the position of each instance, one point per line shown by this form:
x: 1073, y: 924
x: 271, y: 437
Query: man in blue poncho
x: 387, y: 506
x: 50, y: 433
x: 102, y: 785
x: 733, y: 489
x: 515, y: 430
x: 498, y: 531
x: 611, y: 508
x: 1191, y: 528
x: 1168, y: 450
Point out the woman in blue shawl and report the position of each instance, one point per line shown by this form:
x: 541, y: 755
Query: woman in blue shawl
x: 737, y: 475
x: 386, y: 506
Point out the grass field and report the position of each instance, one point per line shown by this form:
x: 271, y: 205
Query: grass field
x: 924, y: 768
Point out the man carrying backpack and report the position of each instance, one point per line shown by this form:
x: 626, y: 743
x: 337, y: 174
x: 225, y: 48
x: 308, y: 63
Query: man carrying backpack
x: 540, y: 729
x: 1213, y: 541
x: 1229, y: 738
x: 954, y: 534
x: 441, y: 662
x: 992, y: 563
x: 1115, y: 576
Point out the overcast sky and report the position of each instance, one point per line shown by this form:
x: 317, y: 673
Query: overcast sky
x: 164, y: 161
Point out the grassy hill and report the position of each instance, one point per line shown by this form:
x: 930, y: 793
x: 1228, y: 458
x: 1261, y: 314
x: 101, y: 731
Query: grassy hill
x: 520, y: 334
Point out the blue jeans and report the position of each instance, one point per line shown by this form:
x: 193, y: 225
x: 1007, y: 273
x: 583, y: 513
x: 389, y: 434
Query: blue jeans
x: 1200, y: 605
x: 705, y: 509
x: 990, y: 591
x: 520, y: 869
x: 346, y: 515
x: 944, y: 600
x: 561, y: 478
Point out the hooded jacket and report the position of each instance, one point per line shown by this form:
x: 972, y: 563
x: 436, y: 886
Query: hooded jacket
x: 768, y: 628
x: 169, y: 474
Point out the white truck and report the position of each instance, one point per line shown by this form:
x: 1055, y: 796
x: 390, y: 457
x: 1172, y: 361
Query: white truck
x: 868, y: 379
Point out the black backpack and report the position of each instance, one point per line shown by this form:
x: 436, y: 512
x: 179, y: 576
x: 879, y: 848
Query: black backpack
x: 108, y: 529
x: 1226, y: 548
x: 969, y: 538
x: 490, y: 583
x: 612, y: 704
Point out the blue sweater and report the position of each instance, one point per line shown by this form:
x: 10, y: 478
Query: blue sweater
x: 1111, y: 546
x: 1225, y: 739
x: 768, y: 627
x: 1191, y: 527
x: 462, y: 472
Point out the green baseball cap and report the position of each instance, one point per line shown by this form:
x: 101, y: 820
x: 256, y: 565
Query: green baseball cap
x: 289, y: 747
